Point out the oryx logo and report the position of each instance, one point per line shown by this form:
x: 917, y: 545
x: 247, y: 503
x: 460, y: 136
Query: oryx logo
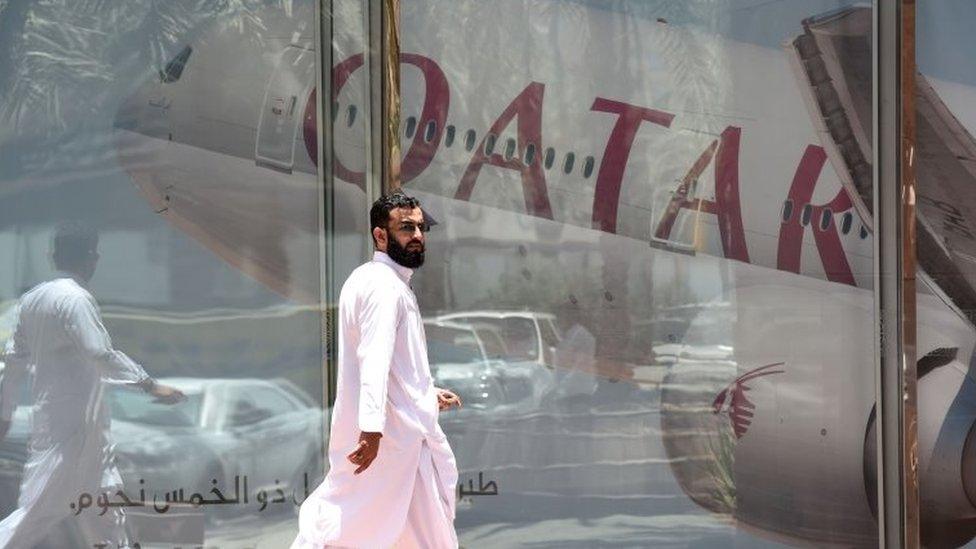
x: 734, y: 401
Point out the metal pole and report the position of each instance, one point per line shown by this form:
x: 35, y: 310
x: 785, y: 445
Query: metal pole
x: 894, y: 261
x: 373, y: 112
x: 323, y: 124
x: 384, y: 87
x: 391, y: 94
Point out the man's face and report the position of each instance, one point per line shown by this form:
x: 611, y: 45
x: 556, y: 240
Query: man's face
x: 406, y: 237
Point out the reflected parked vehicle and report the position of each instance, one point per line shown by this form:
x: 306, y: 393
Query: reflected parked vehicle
x: 525, y: 336
x: 269, y: 431
x: 522, y: 342
x: 459, y: 361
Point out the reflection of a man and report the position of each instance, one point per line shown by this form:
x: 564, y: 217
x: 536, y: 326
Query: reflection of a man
x: 60, y: 333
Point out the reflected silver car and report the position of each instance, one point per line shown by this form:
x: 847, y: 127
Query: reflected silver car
x: 459, y: 362
x: 522, y: 343
x: 267, y: 431
x: 525, y: 336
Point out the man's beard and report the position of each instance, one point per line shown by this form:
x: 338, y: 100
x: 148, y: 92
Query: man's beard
x: 403, y: 256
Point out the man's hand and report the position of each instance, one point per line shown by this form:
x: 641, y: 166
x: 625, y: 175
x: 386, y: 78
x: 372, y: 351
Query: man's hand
x: 4, y: 428
x: 365, y: 453
x: 164, y: 394
x: 447, y: 399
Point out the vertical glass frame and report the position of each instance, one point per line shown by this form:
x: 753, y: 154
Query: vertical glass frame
x: 895, y: 287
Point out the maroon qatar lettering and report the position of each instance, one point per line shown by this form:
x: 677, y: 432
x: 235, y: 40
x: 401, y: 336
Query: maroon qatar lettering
x: 726, y: 207
x: 606, y: 196
x: 527, y: 108
x: 437, y: 100
x: 421, y: 152
x: 827, y: 239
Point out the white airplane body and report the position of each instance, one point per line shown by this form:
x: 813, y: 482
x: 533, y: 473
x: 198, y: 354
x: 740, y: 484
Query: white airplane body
x: 672, y: 150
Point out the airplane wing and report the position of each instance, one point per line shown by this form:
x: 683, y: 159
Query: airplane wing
x: 833, y: 61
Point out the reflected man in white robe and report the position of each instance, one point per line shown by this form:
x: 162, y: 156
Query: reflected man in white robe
x: 60, y: 333
x: 392, y: 476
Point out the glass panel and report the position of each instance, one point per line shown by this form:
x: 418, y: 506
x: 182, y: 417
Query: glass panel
x: 945, y: 102
x: 186, y: 136
x: 667, y: 355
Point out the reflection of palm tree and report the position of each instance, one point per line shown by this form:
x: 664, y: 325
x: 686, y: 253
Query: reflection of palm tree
x: 62, y: 61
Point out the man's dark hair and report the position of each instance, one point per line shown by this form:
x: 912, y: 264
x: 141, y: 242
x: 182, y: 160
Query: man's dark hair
x: 379, y: 214
x: 74, y: 244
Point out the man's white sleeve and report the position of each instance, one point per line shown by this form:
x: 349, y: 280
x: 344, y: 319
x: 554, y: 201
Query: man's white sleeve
x: 85, y: 328
x: 16, y: 356
x: 379, y: 316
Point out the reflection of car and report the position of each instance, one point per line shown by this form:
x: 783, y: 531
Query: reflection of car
x: 459, y: 362
x: 524, y: 336
x: 519, y: 344
x: 269, y: 431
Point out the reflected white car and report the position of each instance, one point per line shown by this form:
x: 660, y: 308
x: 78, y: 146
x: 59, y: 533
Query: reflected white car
x: 459, y: 362
x: 270, y: 432
x: 267, y: 431
x: 513, y: 348
x: 524, y: 336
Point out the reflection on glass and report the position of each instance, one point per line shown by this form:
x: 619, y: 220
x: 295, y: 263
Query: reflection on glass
x: 191, y: 145
x: 61, y: 343
x: 675, y: 348
x: 945, y: 97
x: 126, y: 406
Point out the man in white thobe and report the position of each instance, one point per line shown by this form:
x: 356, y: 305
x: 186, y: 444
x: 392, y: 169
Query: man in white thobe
x: 392, y: 473
x: 60, y: 333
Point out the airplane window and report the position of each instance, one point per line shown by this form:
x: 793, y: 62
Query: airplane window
x: 825, y: 219
x: 568, y: 164
x: 350, y: 116
x: 430, y: 131
x: 490, y: 144
x: 411, y: 126
x: 845, y: 224
x: 550, y: 157
x: 530, y: 154
x: 806, y: 214
x: 588, y: 167
x: 449, y: 138
x: 509, y: 148
x: 864, y: 232
x: 174, y: 69
x: 469, y: 140
x: 787, y: 210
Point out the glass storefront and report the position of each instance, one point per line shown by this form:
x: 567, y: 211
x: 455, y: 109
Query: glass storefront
x: 648, y: 277
x: 182, y: 133
x: 651, y: 274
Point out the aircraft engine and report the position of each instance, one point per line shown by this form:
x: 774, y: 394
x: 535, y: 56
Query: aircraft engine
x: 778, y: 434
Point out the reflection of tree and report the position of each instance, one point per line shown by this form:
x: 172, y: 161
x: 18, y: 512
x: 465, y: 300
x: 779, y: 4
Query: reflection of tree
x: 65, y: 61
x: 720, y: 467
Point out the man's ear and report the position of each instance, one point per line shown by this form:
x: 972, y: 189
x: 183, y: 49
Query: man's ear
x: 379, y: 238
